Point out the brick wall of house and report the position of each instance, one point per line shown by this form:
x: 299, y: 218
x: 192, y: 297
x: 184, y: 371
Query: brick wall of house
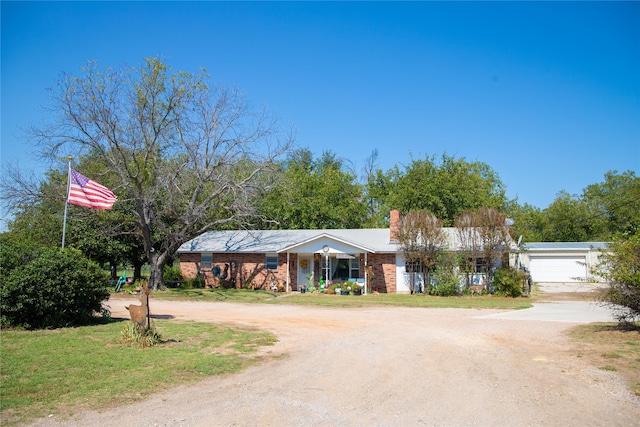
x: 189, y: 265
x: 383, y: 267
x: 243, y: 270
x: 248, y: 270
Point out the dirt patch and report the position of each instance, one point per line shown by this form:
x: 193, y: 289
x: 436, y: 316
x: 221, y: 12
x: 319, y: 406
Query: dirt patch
x: 386, y: 366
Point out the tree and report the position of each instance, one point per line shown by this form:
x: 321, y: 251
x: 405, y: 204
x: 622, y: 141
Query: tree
x: 313, y: 194
x: 570, y: 219
x: 483, y: 235
x: 494, y: 238
x: 616, y: 201
x: 446, y: 187
x: 102, y: 236
x: 422, y: 241
x: 621, y: 269
x: 603, y: 211
x: 529, y: 221
x: 470, y: 244
x: 187, y: 154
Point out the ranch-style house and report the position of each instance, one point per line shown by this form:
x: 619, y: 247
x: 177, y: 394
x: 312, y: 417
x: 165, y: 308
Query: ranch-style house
x: 289, y: 258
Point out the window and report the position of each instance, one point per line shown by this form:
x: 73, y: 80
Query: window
x: 355, y: 268
x: 480, y: 266
x: 205, y: 261
x: 413, y: 267
x: 271, y: 262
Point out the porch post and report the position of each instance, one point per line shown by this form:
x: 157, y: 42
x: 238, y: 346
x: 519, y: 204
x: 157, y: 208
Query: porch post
x: 288, y: 273
x: 365, y: 272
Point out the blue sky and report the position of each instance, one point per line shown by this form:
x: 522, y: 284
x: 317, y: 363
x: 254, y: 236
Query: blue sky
x: 546, y: 93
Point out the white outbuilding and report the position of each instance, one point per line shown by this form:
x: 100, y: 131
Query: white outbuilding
x: 562, y: 262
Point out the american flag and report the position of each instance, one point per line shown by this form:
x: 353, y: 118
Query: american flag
x: 86, y: 192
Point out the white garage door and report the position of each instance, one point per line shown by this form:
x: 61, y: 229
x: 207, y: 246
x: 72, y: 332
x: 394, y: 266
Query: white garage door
x: 557, y: 269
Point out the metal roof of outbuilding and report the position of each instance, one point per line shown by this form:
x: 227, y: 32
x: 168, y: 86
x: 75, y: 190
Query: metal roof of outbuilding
x: 540, y: 246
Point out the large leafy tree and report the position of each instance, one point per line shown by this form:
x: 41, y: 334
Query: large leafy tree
x: 616, y: 202
x: 313, y: 194
x: 446, y: 187
x: 570, y: 219
x: 103, y: 236
x: 529, y: 221
x: 602, y: 212
x: 184, y: 154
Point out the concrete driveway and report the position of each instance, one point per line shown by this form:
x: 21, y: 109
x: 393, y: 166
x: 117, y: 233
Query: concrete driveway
x: 580, y: 309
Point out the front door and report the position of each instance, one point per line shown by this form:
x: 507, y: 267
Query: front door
x: 305, y: 268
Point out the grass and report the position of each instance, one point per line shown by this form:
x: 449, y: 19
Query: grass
x: 611, y: 347
x: 65, y: 370
x: 400, y: 300
x: 318, y: 299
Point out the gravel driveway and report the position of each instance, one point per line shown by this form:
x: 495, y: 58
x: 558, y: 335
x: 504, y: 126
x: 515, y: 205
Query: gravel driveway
x: 387, y: 366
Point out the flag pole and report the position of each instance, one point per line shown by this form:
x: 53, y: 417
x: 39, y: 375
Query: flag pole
x: 66, y: 202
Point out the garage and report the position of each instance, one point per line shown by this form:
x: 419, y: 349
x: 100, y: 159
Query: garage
x: 557, y: 268
x: 562, y: 262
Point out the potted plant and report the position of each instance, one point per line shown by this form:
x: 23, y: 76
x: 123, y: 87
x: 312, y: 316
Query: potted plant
x: 356, y: 288
x: 348, y: 287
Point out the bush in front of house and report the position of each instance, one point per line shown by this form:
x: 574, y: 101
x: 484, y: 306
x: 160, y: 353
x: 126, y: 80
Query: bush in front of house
x: 507, y: 282
x: 444, y: 283
x: 194, y: 283
x: 57, y: 288
x: 172, y: 277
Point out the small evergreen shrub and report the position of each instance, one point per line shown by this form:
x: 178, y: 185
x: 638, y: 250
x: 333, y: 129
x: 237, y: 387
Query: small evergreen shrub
x: 58, y: 288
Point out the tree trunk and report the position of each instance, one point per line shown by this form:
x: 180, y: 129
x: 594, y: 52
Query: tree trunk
x: 137, y: 270
x: 157, y: 263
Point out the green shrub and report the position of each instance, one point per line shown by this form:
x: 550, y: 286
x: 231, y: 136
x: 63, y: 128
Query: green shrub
x: 507, y: 282
x: 15, y: 252
x: 621, y: 269
x: 57, y: 288
x: 172, y: 276
x: 194, y: 283
x: 444, y: 283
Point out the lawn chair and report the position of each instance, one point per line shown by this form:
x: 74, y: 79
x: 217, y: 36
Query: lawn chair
x: 121, y: 281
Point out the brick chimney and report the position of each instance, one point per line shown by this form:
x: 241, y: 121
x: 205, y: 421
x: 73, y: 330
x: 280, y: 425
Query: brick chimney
x: 394, y: 223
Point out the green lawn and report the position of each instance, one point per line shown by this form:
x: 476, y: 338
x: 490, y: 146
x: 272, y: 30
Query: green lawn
x: 63, y: 370
x: 421, y: 300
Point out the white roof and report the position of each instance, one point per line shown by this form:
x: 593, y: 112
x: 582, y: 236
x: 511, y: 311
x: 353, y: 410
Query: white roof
x: 272, y: 241
x: 374, y: 240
